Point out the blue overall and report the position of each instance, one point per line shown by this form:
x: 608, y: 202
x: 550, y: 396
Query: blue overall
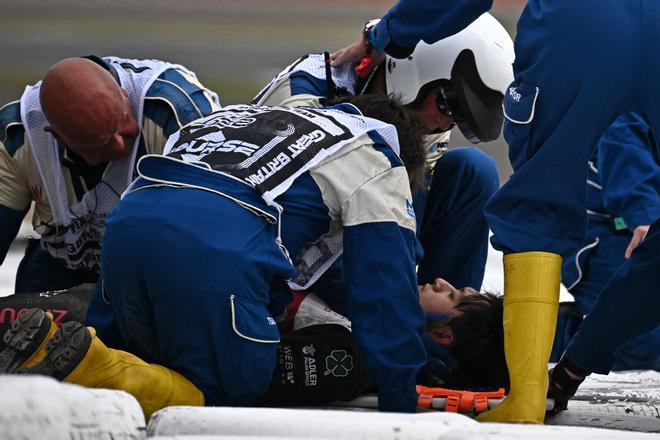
x: 567, y: 90
x: 622, y: 193
x: 453, y: 231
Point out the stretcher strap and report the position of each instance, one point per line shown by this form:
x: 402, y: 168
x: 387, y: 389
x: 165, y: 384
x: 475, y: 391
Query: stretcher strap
x: 457, y: 400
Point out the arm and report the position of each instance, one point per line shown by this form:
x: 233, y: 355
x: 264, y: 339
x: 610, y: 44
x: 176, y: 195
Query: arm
x: 174, y: 100
x: 410, y: 21
x: 629, y: 172
x: 383, y: 302
x: 305, y: 76
x: 14, y: 193
x: 10, y: 222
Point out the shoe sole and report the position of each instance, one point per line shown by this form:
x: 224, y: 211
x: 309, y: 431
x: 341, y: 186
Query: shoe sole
x: 64, y: 351
x: 22, y: 339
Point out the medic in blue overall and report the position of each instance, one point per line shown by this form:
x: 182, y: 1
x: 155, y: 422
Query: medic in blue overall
x: 622, y: 197
x: 565, y: 94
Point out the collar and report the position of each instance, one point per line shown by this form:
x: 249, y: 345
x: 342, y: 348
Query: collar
x: 103, y: 63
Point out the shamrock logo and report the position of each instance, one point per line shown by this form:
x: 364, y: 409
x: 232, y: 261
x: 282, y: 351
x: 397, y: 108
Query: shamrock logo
x: 339, y: 363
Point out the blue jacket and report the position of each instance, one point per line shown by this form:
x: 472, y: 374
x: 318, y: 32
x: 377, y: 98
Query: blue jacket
x: 410, y: 21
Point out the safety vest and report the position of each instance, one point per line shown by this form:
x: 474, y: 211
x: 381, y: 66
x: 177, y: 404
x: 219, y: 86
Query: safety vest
x: 267, y: 148
x: 78, y: 228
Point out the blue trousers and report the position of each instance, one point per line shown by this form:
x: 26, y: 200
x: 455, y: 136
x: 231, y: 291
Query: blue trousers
x: 628, y: 306
x: 598, y: 264
x: 187, y: 274
x: 38, y: 271
x: 567, y: 90
x: 450, y: 222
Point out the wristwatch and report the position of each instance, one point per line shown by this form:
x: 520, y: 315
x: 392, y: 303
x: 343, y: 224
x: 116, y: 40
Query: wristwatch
x: 366, y: 31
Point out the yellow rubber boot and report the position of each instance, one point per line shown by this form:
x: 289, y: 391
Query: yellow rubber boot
x: 531, y: 301
x: 77, y: 356
x: 25, y: 341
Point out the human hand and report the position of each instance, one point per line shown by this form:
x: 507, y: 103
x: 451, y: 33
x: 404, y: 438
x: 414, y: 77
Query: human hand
x: 356, y: 53
x: 352, y: 53
x: 639, y: 234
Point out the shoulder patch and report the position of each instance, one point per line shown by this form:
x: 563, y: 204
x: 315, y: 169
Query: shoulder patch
x: 12, y: 132
x: 186, y: 99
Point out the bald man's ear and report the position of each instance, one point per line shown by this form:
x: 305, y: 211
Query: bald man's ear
x: 442, y: 334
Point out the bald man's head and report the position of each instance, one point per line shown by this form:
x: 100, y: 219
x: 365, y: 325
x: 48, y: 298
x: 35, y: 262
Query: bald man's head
x: 88, y: 111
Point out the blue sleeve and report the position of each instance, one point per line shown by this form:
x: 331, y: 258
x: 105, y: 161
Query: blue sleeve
x: 173, y: 101
x: 629, y: 171
x: 304, y: 83
x: 383, y: 304
x: 410, y: 21
x: 10, y: 223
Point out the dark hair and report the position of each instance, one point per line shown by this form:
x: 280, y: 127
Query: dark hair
x: 408, y: 126
x: 479, y: 341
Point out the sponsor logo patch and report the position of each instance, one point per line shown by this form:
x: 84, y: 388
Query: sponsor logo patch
x: 410, y: 209
x: 339, y: 363
x: 311, y: 378
x: 513, y: 93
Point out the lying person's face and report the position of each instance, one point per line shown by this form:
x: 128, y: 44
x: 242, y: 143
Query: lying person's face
x: 441, y: 298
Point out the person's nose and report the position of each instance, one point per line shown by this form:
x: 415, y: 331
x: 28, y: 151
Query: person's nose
x: 444, y: 122
x: 440, y: 285
x: 116, y: 146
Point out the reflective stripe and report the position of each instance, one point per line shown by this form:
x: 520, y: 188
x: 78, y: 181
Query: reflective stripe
x: 594, y: 184
x: 233, y: 324
x: 577, y: 262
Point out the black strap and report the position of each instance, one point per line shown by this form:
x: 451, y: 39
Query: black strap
x: 329, y: 83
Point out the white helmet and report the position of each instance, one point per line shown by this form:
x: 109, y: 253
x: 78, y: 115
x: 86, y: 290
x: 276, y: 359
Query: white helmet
x: 473, y: 68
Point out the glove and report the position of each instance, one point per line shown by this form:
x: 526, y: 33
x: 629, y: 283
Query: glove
x: 562, y: 386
